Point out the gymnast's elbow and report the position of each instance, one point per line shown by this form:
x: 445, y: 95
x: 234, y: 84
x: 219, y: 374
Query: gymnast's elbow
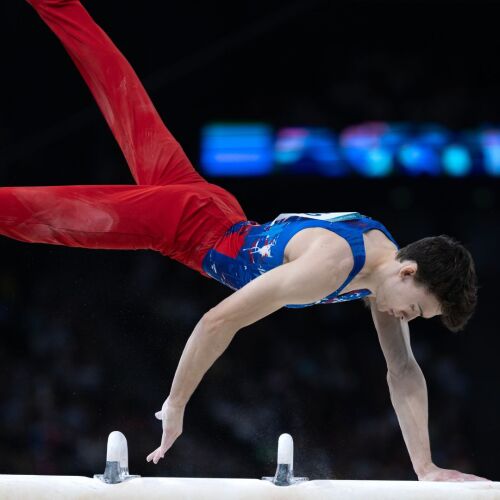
x: 406, y: 368
x: 215, y: 325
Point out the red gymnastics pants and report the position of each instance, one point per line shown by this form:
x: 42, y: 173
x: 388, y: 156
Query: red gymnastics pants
x: 172, y: 209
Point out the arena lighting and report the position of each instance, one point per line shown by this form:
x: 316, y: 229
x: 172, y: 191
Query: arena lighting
x: 237, y: 149
x: 419, y: 158
x: 308, y: 150
x: 457, y: 161
x: 116, y: 483
x: 433, y: 135
x: 421, y: 154
x: 363, y: 150
x: 489, y: 140
x: 372, y: 149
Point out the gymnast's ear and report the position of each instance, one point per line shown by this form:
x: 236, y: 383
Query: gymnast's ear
x: 408, y: 268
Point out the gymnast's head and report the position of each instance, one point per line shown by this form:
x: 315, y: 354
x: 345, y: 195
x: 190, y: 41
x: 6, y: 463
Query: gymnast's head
x: 430, y: 277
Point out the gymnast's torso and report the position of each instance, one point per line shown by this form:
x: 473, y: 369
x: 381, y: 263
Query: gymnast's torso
x: 248, y: 249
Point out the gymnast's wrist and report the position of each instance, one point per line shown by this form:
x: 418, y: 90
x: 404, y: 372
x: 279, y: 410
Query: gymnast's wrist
x: 174, y: 402
x: 424, y: 468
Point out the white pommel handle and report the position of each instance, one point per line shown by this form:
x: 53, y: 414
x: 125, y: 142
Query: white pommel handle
x: 285, y: 450
x: 117, y: 449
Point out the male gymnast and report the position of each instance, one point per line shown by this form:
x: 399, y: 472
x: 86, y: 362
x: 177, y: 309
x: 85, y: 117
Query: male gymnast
x: 296, y: 260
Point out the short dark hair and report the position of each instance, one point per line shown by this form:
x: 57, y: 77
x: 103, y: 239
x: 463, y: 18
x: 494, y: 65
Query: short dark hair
x: 446, y: 269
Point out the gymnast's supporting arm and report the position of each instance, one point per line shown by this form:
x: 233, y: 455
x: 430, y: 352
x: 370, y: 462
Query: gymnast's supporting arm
x: 306, y: 279
x: 408, y: 392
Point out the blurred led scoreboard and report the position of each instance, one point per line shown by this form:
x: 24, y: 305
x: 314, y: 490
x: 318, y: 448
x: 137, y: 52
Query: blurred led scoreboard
x: 374, y: 149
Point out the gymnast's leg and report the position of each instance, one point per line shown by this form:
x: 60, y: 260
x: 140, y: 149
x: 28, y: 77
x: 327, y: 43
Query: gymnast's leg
x: 102, y: 217
x: 117, y: 218
x: 78, y: 216
x: 174, y: 210
x: 152, y: 153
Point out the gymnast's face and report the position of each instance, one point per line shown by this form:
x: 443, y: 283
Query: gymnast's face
x: 399, y: 295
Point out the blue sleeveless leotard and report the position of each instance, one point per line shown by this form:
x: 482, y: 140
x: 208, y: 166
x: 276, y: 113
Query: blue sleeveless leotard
x: 248, y: 249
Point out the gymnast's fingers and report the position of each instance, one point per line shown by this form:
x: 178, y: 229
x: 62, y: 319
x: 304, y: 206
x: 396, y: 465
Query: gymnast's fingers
x: 152, y: 455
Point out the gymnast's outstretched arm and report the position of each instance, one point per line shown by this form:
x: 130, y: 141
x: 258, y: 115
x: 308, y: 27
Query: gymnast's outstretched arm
x: 408, y: 392
x: 306, y: 279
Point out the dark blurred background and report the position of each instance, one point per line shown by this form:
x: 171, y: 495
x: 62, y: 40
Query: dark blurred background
x: 90, y: 339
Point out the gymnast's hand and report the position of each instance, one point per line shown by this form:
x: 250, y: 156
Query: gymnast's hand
x: 434, y: 473
x: 171, y: 417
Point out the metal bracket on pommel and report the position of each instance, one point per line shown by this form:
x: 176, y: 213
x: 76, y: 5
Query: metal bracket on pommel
x: 284, y: 471
x: 116, y: 470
